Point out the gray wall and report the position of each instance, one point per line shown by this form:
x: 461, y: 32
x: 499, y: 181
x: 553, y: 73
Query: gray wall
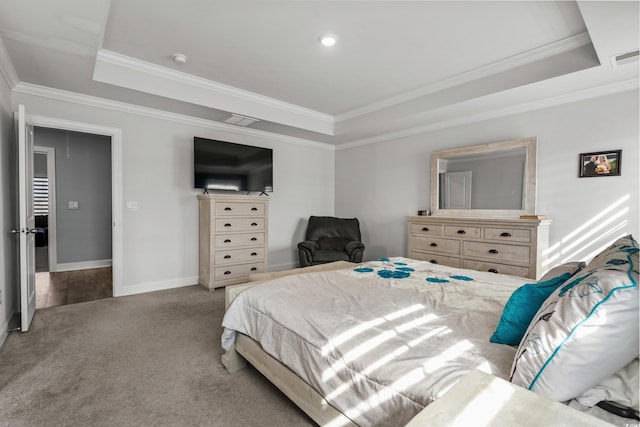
x: 383, y: 183
x: 84, y: 176
x: 8, y: 246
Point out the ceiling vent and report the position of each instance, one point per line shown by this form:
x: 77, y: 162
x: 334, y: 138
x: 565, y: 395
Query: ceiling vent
x: 238, y: 120
x: 625, y: 58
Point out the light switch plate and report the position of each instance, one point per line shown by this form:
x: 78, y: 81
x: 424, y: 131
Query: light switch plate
x: 73, y: 205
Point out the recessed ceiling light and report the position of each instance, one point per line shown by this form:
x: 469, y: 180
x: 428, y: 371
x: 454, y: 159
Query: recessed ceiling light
x: 328, y: 39
x: 180, y: 58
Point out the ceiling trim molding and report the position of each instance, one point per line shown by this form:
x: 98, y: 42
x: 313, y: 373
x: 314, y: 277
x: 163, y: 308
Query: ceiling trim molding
x: 567, y: 98
x: 114, y: 68
x: 7, y: 69
x: 533, y: 55
x: 98, y: 102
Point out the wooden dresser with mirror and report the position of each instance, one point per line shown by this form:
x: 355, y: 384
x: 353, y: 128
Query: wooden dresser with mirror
x: 478, y: 194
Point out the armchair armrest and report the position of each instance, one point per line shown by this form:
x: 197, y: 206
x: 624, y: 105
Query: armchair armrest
x: 309, y: 246
x: 354, y: 247
x: 306, y: 251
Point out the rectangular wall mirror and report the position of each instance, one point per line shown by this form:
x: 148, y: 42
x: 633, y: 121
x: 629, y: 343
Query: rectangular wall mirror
x: 488, y: 180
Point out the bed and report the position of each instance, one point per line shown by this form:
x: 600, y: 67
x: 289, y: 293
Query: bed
x: 400, y: 333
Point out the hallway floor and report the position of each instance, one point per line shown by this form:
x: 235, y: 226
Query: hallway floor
x: 70, y: 287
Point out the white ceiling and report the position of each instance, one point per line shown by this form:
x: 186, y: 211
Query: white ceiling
x: 398, y: 67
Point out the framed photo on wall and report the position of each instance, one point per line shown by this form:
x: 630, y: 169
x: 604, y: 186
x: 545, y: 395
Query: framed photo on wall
x: 600, y: 163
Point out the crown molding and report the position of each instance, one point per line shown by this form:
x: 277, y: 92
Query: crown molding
x: 7, y: 69
x: 122, y: 70
x: 552, y: 49
x: 98, y: 102
x: 567, y: 98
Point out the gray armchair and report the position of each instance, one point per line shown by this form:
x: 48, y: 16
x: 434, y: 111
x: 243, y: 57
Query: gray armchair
x: 331, y: 239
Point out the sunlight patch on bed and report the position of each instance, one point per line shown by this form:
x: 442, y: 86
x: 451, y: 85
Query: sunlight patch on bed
x: 449, y: 354
x: 363, y: 348
x: 363, y: 327
x: 416, y: 322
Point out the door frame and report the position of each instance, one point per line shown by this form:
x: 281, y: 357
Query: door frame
x: 116, y: 185
x: 50, y: 152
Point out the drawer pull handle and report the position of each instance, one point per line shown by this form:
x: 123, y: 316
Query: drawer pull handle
x: 505, y: 234
x: 227, y: 256
x: 253, y: 224
x: 227, y: 272
x: 227, y: 241
x: 253, y: 268
x: 462, y: 232
x: 253, y: 239
x: 492, y: 270
x: 493, y: 251
x: 227, y: 225
x: 227, y: 209
x: 254, y: 253
x: 254, y: 209
x: 425, y: 229
x: 435, y: 245
x: 433, y: 261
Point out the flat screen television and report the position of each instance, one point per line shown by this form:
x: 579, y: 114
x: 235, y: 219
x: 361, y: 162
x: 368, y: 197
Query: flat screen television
x: 221, y: 165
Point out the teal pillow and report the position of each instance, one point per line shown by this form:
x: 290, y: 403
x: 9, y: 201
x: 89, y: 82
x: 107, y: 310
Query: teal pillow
x: 523, y: 304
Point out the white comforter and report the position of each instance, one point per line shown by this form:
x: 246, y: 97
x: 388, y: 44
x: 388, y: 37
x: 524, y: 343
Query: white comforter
x: 382, y: 340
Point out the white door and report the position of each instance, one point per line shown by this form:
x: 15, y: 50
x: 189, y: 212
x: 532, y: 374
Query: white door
x: 26, y: 227
x: 457, y: 190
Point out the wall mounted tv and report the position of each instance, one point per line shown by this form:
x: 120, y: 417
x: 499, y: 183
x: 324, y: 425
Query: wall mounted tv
x: 220, y: 165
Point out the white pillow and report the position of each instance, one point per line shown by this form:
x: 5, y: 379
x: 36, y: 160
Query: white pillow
x: 586, y: 331
x: 622, y: 388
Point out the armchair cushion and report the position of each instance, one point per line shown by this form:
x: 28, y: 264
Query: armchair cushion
x: 335, y: 244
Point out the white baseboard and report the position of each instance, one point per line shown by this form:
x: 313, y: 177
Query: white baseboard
x: 156, y: 286
x: 83, y: 265
x: 284, y: 266
x: 4, y: 329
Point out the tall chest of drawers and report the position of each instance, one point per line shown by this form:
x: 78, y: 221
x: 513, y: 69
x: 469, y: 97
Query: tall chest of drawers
x: 233, y: 238
x: 509, y: 246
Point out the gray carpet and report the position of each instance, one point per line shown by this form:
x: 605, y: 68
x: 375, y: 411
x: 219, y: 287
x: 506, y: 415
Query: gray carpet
x: 151, y: 359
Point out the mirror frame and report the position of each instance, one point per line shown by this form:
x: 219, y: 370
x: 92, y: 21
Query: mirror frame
x: 530, y: 174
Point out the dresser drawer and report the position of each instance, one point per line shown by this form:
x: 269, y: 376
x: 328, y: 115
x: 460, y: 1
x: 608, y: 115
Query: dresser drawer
x: 436, y: 244
x: 239, y: 224
x: 435, y: 258
x: 462, y: 231
x: 229, y: 241
x: 236, y: 271
x: 239, y: 209
x: 496, y: 251
x: 491, y: 267
x: 236, y: 256
x: 508, y: 234
x: 427, y: 229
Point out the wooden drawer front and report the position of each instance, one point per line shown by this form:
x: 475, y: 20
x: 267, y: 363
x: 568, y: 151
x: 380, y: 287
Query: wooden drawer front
x: 239, y: 209
x: 223, y: 241
x: 512, y: 270
x: 239, y: 255
x: 435, y: 244
x: 239, y: 224
x: 462, y: 231
x: 235, y: 271
x: 497, y: 251
x: 436, y: 258
x: 427, y: 229
x: 508, y: 234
